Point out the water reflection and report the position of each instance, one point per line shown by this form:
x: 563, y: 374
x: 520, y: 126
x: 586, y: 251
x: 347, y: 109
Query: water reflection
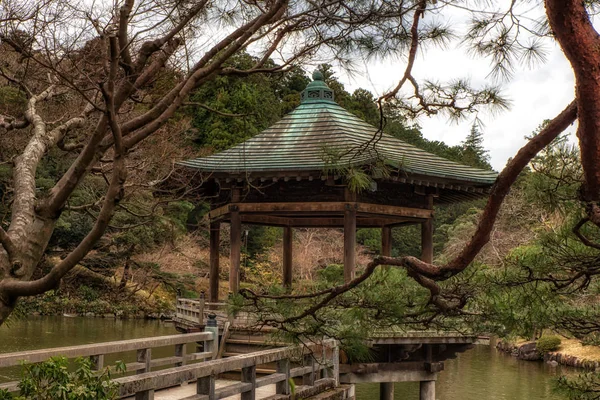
x: 481, y: 373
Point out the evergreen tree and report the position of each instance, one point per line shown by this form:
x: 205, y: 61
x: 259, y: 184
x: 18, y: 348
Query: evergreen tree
x: 472, y: 152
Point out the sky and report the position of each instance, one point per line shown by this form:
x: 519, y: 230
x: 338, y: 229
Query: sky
x: 536, y: 94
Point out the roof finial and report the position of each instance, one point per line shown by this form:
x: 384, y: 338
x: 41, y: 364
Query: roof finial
x: 316, y: 91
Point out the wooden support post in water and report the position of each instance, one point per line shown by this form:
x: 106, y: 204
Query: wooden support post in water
x: 283, y: 367
x: 427, y: 390
x: 349, y: 242
x: 234, y: 258
x: 249, y: 375
x: 287, y: 257
x: 386, y: 241
x: 215, y: 238
x: 386, y: 391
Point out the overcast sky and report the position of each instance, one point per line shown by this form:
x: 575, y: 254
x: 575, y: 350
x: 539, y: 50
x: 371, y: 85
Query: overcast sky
x: 536, y: 94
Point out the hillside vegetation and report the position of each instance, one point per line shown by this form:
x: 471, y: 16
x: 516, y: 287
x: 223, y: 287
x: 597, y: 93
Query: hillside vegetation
x: 156, y: 244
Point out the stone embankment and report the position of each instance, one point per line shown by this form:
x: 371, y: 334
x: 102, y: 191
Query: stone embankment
x: 528, y: 351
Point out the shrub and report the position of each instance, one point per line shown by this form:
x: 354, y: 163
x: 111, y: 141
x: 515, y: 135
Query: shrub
x: 88, y: 293
x: 52, y: 380
x: 547, y: 343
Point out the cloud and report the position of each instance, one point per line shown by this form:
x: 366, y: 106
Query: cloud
x: 536, y: 94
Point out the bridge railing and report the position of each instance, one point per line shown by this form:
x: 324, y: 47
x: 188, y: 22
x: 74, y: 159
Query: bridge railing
x: 142, y: 348
x: 195, y: 310
x: 317, y: 365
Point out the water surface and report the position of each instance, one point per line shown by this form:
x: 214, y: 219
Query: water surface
x: 482, y: 373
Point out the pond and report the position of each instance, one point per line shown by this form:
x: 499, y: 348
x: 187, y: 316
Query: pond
x: 481, y: 373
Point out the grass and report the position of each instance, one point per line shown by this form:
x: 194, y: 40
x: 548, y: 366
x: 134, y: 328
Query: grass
x: 573, y: 347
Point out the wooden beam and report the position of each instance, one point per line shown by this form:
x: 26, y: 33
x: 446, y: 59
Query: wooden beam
x: 386, y: 241
x: 287, y: 257
x: 215, y: 238
x: 394, y: 210
x: 349, y: 243
x: 269, y: 220
x: 236, y: 245
x: 332, y: 207
x: 324, y: 221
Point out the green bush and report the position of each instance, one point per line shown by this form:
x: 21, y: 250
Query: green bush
x: 88, y: 293
x: 547, y: 343
x: 52, y: 380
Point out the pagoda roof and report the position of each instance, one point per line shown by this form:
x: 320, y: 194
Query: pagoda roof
x: 319, y: 136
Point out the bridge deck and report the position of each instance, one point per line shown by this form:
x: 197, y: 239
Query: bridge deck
x: 188, y: 390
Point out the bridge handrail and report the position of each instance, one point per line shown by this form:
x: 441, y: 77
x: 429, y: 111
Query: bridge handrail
x: 193, y: 310
x: 97, y: 351
x: 144, y: 385
x: 35, y: 356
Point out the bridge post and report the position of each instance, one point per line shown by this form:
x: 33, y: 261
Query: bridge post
x: 206, y: 386
x: 386, y: 391
x: 144, y: 356
x: 283, y: 367
x: 212, y: 346
x: 180, y: 352
x: 97, y: 362
x: 201, y: 301
x: 249, y: 376
x: 215, y: 238
x: 308, y: 378
x: 336, y: 364
x: 145, y: 395
x: 287, y: 257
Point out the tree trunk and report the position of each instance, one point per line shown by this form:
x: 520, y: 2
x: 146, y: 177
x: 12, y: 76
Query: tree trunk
x: 30, y: 250
x: 580, y: 42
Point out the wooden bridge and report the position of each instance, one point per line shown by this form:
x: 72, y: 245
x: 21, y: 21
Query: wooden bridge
x: 315, y: 368
x: 397, y: 356
x: 230, y: 360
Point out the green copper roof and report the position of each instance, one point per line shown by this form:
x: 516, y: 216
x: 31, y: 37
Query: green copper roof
x: 320, y: 135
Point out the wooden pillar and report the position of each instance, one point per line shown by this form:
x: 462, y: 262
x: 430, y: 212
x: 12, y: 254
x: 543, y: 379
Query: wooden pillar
x: 236, y: 245
x: 215, y: 238
x: 427, y: 235
x: 386, y: 241
x: 427, y: 241
x: 427, y: 390
x: 386, y: 391
x: 349, y: 242
x: 288, y: 236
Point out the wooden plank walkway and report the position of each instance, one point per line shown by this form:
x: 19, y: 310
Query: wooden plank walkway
x: 188, y: 390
